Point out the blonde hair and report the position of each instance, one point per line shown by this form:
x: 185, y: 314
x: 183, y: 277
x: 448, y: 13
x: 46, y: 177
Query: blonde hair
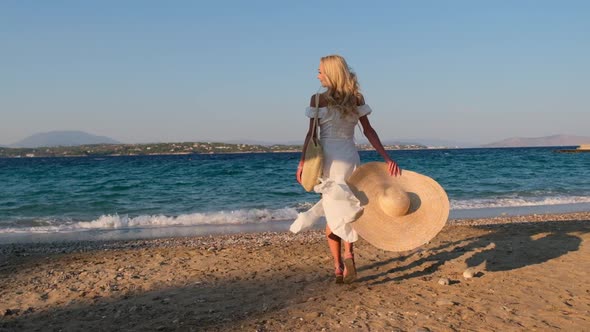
x: 343, y: 88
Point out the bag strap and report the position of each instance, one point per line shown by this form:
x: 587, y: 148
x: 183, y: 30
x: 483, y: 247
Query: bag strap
x: 315, y: 118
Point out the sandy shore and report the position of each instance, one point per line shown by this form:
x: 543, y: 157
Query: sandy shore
x: 531, y: 273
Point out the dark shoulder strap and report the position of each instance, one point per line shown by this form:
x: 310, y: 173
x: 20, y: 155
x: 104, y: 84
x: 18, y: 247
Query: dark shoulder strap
x: 315, y: 118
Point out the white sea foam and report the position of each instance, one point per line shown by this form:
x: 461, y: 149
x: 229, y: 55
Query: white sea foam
x: 110, y: 222
x: 252, y: 216
x: 516, y: 202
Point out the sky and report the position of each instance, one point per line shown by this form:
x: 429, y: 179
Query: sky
x: 169, y: 71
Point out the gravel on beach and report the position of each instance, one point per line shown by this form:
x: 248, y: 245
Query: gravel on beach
x: 525, y: 273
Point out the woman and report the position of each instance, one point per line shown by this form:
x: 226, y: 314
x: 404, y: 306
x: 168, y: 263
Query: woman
x: 341, y: 107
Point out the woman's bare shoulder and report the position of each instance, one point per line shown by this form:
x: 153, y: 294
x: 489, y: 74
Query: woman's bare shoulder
x: 360, y: 100
x: 322, y: 102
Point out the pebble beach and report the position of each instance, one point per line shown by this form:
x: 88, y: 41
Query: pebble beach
x: 497, y: 274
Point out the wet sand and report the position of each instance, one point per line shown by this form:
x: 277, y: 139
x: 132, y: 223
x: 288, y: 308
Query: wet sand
x: 531, y: 273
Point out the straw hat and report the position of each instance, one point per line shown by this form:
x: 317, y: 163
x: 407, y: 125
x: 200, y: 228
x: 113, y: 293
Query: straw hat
x: 400, y: 213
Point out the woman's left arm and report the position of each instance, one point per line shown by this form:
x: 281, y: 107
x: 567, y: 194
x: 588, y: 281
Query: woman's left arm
x: 373, y: 138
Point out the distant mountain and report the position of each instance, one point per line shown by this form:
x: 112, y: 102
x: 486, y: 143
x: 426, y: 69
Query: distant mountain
x: 62, y: 138
x: 555, y: 140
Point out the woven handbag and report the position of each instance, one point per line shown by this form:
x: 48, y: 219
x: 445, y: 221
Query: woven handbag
x: 313, y: 160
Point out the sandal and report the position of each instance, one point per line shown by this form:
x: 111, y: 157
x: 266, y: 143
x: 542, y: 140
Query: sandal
x: 350, y: 269
x: 339, y: 274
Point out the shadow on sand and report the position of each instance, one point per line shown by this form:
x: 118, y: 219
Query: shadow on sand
x: 218, y: 306
x: 504, y: 247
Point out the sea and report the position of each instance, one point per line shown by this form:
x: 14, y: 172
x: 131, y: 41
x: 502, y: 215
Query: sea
x: 135, y: 197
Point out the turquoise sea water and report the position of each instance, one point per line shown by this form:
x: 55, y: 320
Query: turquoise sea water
x: 62, y: 195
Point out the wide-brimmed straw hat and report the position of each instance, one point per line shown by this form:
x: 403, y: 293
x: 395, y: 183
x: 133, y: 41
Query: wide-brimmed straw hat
x: 400, y: 212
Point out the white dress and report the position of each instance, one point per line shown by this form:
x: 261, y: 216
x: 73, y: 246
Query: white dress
x: 338, y: 204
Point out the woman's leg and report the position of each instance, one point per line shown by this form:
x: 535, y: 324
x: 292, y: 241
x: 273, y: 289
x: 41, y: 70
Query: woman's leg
x: 335, y: 247
x: 349, y: 266
x: 348, y: 247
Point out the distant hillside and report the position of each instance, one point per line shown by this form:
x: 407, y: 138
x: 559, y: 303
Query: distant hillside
x: 432, y: 142
x: 256, y: 142
x: 184, y: 148
x: 555, y: 140
x: 62, y: 138
x: 419, y: 141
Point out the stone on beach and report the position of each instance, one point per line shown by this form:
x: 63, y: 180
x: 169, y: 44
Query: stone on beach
x: 443, y: 302
x: 469, y: 273
x: 444, y: 281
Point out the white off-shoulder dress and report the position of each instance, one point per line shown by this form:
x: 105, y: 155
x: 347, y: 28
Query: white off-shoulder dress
x: 338, y: 204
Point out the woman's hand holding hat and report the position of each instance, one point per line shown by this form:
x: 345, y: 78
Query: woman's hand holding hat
x: 393, y: 168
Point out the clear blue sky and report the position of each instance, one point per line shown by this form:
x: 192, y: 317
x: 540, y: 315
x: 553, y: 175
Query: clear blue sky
x: 151, y: 71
